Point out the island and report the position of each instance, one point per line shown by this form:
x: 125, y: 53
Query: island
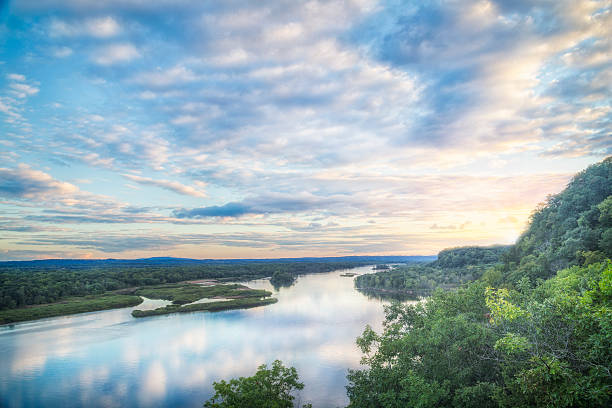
x: 348, y: 274
x: 192, y: 297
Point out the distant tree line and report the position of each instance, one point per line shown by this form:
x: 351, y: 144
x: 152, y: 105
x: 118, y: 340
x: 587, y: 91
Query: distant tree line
x: 453, y: 267
x: 31, y: 285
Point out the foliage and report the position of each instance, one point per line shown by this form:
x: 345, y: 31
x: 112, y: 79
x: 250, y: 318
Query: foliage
x: 454, y: 267
x: 556, y: 352
x: 187, y: 293
x: 29, y: 283
x: 572, y: 227
x: 241, y: 303
x: 546, y: 346
x: 526, y: 342
x: 183, y: 295
x: 268, y: 388
x: 429, y: 354
x: 282, y: 279
x: 470, y: 255
x: 69, y: 306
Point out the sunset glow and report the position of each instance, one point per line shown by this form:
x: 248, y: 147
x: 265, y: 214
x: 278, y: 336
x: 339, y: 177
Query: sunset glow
x: 266, y: 129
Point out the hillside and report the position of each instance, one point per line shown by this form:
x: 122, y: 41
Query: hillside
x: 573, y: 227
x: 541, y: 338
x: 570, y: 228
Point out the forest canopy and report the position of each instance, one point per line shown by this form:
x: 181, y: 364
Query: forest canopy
x: 534, y: 330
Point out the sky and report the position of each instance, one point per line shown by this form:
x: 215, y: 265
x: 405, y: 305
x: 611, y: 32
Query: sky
x: 265, y: 129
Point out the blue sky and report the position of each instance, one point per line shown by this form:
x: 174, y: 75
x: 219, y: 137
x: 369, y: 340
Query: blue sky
x: 233, y: 129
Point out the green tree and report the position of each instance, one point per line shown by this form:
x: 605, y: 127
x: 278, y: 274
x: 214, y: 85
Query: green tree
x: 268, y: 388
x: 434, y: 353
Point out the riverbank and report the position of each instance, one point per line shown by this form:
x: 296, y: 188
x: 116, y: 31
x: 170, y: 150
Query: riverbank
x: 180, y: 294
x: 82, y: 304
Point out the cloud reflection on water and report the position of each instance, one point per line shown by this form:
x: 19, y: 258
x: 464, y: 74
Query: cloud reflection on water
x: 110, y: 359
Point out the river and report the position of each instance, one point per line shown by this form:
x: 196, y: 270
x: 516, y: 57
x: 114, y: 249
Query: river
x: 110, y: 359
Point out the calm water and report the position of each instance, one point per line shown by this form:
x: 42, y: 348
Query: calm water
x: 110, y: 359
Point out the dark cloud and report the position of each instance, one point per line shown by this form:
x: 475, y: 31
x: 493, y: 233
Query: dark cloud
x: 271, y: 204
x: 227, y: 210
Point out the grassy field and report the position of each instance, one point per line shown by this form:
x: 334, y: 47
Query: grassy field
x: 69, y: 306
x: 181, y: 294
x: 240, y: 297
x: 242, y: 303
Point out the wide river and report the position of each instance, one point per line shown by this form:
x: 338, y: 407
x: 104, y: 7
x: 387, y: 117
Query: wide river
x: 110, y: 359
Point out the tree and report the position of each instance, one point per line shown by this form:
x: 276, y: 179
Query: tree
x: 268, y: 388
x: 429, y: 354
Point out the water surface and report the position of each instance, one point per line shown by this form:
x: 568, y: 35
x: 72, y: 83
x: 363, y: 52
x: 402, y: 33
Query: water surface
x: 110, y: 359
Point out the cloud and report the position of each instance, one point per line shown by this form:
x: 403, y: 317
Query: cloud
x: 16, y: 77
x: 163, y: 78
x: 24, y: 90
x: 13, y: 104
x: 305, y: 117
x: 115, y: 54
x: 24, y: 182
x: 268, y: 204
x: 62, y: 52
x: 226, y: 210
x: 167, y: 185
x: 443, y: 227
x: 488, y: 64
x: 100, y: 27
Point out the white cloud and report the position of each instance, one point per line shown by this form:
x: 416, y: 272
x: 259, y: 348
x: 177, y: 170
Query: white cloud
x: 115, y: 54
x: 24, y: 90
x: 103, y: 27
x: 161, y: 78
x: 167, y: 185
x: 99, y: 27
x: 16, y: 77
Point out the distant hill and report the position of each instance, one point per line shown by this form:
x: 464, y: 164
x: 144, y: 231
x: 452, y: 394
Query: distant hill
x: 75, y: 263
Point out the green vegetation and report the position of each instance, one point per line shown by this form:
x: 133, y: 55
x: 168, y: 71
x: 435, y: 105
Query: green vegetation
x: 527, y: 341
x: 22, y: 285
x: 241, y: 303
x: 282, y: 279
x: 268, y: 388
x: 187, y: 293
x: 241, y: 297
x: 422, y: 277
x: 572, y: 227
x: 69, y: 306
x: 88, y: 287
x: 478, y: 347
x: 453, y: 267
x: 470, y: 255
x: 533, y: 330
